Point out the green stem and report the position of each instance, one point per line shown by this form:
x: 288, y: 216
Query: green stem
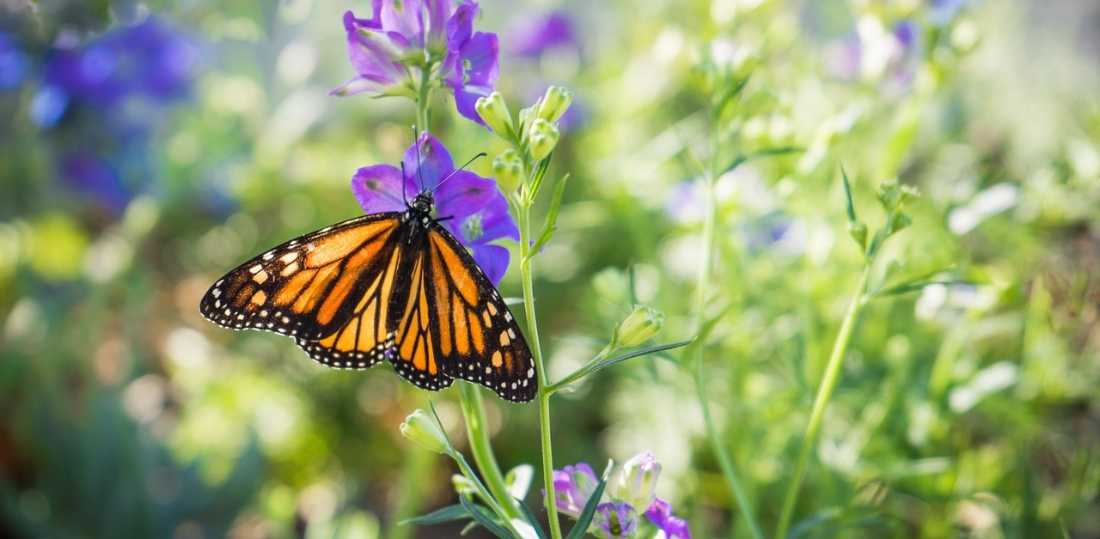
x: 423, y: 99
x: 724, y: 460
x: 524, y: 211
x: 477, y: 432
x: 824, y: 392
x: 483, y: 492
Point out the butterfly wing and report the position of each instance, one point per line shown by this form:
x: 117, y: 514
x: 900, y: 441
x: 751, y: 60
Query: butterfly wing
x: 311, y: 286
x: 455, y: 324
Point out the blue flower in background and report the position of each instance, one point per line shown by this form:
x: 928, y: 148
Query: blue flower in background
x: 942, y: 12
x: 13, y: 63
x: 88, y: 174
x: 534, y: 36
x: 149, y: 60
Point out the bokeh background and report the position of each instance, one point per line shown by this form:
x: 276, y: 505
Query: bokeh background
x: 147, y: 147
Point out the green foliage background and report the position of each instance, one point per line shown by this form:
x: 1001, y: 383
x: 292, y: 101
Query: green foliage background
x: 970, y: 409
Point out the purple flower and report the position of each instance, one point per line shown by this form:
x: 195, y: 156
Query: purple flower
x: 13, y: 63
x: 150, y: 60
x: 573, y: 485
x: 660, y: 514
x: 476, y: 212
x: 421, y: 34
x: 92, y: 176
x: 536, y: 35
x: 614, y: 519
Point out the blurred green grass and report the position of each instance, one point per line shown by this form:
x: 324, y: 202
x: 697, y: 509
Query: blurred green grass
x: 962, y: 410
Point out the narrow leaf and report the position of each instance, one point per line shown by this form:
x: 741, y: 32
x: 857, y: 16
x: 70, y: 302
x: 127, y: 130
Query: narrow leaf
x: 534, y: 522
x: 848, y: 196
x: 914, y: 286
x: 482, y: 517
x: 446, y: 514
x: 731, y: 92
x: 598, y: 366
x: 585, y: 519
x: 744, y: 158
x: 540, y: 173
x: 551, y: 216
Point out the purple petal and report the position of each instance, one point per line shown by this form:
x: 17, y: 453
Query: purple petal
x: 466, y: 102
x: 373, y: 53
x: 405, y: 17
x: 378, y: 188
x: 493, y: 260
x: 358, y: 85
x: 479, y: 61
x: 660, y: 514
x: 614, y: 520
x: 464, y: 194
x: 433, y: 165
x: 438, y: 10
x: 496, y: 222
x: 461, y: 25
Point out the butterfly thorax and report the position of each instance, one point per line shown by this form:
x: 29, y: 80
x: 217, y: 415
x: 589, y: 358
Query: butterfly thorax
x: 418, y: 214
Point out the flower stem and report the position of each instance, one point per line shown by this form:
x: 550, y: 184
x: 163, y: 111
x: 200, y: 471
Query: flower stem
x: 478, y: 433
x: 724, y: 460
x: 423, y: 99
x: 824, y: 392
x: 524, y: 211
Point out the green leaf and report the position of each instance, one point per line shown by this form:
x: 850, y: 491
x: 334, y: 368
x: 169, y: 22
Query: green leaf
x: 848, y: 197
x: 603, y: 364
x: 540, y: 173
x: 534, y: 522
x: 731, y: 92
x: 446, y: 514
x: 744, y: 158
x: 916, y: 285
x: 551, y: 216
x: 484, y: 518
x: 578, y: 530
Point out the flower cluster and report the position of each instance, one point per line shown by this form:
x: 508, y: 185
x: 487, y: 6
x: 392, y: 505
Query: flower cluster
x: 473, y: 209
x: 407, y: 48
x: 108, y: 91
x: 619, y: 513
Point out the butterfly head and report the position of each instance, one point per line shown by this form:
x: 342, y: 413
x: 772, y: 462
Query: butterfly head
x: 422, y: 205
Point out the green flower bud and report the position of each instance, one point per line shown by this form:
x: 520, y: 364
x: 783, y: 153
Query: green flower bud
x: 639, y: 326
x: 463, y: 485
x: 423, y: 430
x: 554, y: 103
x: 858, y: 231
x: 494, y: 111
x: 899, y: 221
x: 508, y: 170
x: 542, y: 137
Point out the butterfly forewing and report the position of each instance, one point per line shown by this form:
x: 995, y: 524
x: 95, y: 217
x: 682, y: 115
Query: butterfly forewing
x: 307, y: 287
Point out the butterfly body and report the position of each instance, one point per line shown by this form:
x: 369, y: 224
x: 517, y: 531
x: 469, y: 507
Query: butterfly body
x: 390, y: 286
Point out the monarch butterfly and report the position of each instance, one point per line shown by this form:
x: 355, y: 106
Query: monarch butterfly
x: 394, y: 285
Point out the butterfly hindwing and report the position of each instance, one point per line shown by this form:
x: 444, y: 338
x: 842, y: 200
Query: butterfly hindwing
x: 308, y: 287
x: 476, y: 336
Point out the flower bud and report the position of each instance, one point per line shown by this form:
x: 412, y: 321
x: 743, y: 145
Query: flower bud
x: 554, y: 103
x: 423, y: 430
x: 636, y: 483
x: 463, y: 485
x: 858, y: 231
x: 508, y: 170
x: 542, y: 137
x: 494, y: 111
x: 638, y: 327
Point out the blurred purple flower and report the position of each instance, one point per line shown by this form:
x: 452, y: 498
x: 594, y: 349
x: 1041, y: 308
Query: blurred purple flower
x: 477, y: 211
x: 92, y: 176
x: 573, y: 485
x: 533, y: 36
x: 887, y: 56
x: 660, y: 514
x: 421, y: 33
x: 13, y: 63
x: 614, y: 520
x: 150, y: 60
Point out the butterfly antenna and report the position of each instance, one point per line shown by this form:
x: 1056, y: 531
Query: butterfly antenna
x: 419, y: 162
x: 404, y: 198
x: 457, y: 170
